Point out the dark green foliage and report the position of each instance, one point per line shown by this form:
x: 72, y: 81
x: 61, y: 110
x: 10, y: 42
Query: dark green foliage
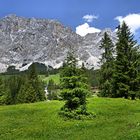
x: 32, y: 89
x: 107, y: 66
x: 36, y: 83
x: 3, y: 92
x: 126, y: 79
x: 40, y: 68
x: 12, y: 70
x: 22, y: 88
x: 93, y: 77
x: 53, y: 95
x: 27, y: 93
x: 108, y: 47
x: 74, y: 88
x: 13, y: 84
x: 51, y: 85
x: 138, y: 92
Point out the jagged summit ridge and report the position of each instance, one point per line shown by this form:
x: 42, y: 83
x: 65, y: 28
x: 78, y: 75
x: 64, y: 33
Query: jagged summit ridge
x: 26, y: 40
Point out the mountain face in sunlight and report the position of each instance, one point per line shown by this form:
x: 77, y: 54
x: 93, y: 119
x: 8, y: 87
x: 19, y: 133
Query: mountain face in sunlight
x: 27, y: 40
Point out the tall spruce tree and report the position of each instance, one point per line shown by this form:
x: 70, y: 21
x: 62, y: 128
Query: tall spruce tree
x: 27, y: 93
x: 107, y: 66
x: 13, y: 84
x: 138, y: 93
x: 73, y: 87
x: 3, y: 92
x: 126, y: 80
x: 36, y: 83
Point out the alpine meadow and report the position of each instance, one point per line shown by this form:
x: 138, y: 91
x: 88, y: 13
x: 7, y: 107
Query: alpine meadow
x: 64, y: 75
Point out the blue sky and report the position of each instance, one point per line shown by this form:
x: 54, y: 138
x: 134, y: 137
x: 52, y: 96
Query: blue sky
x: 71, y: 12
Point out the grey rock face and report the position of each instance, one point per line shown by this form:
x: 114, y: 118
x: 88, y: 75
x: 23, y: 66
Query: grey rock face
x: 26, y: 40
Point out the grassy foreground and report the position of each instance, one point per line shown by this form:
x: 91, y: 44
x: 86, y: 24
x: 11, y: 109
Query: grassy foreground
x: 117, y: 119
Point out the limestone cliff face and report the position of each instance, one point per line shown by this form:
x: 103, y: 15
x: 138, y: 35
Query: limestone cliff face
x: 27, y: 40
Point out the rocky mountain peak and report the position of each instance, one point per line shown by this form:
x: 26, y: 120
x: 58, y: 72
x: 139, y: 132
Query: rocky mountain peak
x: 27, y: 40
x: 12, y: 16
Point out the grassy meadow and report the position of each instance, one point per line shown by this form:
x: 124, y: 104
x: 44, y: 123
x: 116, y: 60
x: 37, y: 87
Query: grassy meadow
x: 116, y: 119
x: 55, y: 77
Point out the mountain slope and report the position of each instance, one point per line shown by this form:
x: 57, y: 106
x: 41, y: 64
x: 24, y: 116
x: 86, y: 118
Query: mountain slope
x: 27, y: 40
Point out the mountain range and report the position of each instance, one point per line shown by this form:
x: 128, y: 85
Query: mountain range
x: 27, y: 40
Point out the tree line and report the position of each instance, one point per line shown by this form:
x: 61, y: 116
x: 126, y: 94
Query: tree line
x: 26, y: 88
x: 120, y: 63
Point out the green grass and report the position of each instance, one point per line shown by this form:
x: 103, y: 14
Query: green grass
x: 55, y: 77
x: 117, y: 119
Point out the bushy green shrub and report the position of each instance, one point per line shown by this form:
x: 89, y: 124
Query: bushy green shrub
x: 74, y: 89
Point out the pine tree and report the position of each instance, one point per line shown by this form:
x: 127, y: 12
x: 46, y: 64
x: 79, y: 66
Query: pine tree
x: 3, y: 92
x: 74, y: 88
x: 126, y: 81
x: 13, y: 84
x: 107, y: 64
x: 27, y: 93
x: 36, y: 83
x: 1, y: 87
x: 138, y: 93
x: 134, y: 74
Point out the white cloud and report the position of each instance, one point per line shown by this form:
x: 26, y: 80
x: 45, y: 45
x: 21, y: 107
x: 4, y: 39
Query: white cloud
x: 89, y: 18
x: 132, y: 20
x: 84, y: 29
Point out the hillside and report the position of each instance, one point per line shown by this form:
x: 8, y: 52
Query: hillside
x: 26, y: 40
x: 116, y: 119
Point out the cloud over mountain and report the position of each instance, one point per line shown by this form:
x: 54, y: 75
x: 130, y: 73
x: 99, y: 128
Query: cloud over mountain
x: 132, y: 20
x: 84, y: 29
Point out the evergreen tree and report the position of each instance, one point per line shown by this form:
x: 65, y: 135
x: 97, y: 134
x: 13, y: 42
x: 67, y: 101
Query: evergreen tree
x: 22, y: 88
x: 74, y: 88
x: 107, y: 61
x: 93, y: 77
x: 36, y: 83
x: 3, y: 92
x: 1, y: 87
x: 27, y: 93
x: 126, y: 81
x: 138, y: 93
x: 13, y: 84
